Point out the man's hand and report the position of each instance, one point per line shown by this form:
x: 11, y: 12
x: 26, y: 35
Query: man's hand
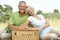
x: 23, y: 26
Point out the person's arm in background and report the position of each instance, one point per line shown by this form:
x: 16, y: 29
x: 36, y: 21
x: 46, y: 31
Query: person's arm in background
x: 45, y: 25
x: 46, y: 22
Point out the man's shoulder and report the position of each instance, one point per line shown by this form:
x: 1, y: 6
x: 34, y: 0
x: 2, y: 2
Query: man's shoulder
x: 14, y: 13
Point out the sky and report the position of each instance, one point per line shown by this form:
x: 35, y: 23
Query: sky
x: 44, y: 5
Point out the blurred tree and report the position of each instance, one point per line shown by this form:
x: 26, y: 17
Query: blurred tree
x: 56, y: 11
x: 0, y: 8
x: 39, y: 12
x: 50, y: 15
x: 8, y: 11
x: 5, y: 12
x: 56, y: 14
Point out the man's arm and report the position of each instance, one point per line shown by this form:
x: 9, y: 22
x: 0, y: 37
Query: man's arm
x: 12, y: 27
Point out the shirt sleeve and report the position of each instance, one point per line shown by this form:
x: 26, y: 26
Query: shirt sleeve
x: 11, y: 19
x: 41, y: 16
x: 29, y: 18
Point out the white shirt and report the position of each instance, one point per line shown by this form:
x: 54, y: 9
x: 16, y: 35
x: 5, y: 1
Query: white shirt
x: 36, y: 22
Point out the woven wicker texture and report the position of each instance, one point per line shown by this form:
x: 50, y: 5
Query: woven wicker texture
x: 25, y: 34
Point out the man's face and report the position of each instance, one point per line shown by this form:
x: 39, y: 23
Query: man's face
x: 22, y: 7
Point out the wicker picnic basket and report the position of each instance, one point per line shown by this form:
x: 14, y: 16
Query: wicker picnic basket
x: 25, y: 34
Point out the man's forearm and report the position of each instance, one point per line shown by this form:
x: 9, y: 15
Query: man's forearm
x: 12, y: 27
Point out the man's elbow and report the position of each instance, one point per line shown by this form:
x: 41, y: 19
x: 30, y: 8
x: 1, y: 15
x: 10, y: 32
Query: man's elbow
x: 10, y: 25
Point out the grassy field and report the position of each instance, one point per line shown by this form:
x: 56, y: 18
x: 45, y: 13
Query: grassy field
x: 54, y: 23
x: 3, y: 25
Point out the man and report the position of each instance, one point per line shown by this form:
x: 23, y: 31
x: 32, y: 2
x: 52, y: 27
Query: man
x: 16, y: 21
x: 18, y: 18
